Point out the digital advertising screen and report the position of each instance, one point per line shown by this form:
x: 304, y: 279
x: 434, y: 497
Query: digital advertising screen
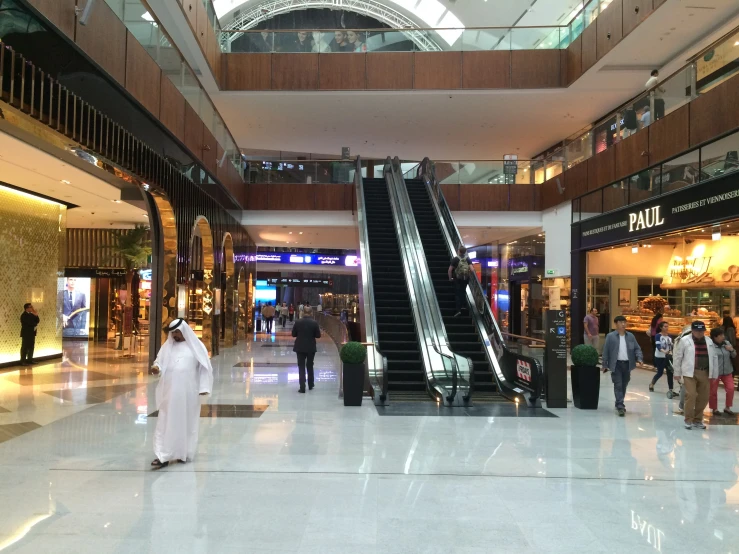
x: 265, y: 292
x: 307, y: 259
x: 73, y: 306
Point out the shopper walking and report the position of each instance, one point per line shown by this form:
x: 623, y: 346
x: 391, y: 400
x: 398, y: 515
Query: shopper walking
x: 723, y: 371
x: 592, y: 328
x: 459, y: 274
x: 662, y: 350
x: 283, y: 314
x: 268, y: 315
x: 291, y: 312
x: 729, y: 331
x: 621, y: 354
x: 301, y: 308
x: 693, y: 360
x: 306, y: 331
x: 29, y: 322
x: 654, y: 329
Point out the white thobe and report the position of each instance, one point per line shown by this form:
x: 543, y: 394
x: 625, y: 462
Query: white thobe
x: 176, y: 435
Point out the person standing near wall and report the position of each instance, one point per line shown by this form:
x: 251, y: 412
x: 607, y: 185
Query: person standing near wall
x: 29, y: 321
x: 592, y: 329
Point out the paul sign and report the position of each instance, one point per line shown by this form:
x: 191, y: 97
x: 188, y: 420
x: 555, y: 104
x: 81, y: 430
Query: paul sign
x: 645, y: 219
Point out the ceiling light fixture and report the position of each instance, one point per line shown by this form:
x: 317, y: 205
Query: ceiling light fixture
x: 634, y: 249
x: 66, y: 182
x: 300, y: 233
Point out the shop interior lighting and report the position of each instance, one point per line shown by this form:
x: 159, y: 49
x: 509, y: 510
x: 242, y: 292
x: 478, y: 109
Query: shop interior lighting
x: 634, y: 249
x: 716, y: 235
x: 66, y: 182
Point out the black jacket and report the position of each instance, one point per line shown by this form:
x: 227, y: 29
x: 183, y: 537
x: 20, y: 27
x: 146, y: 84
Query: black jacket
x: 28, y: 324
x: 306, y: 331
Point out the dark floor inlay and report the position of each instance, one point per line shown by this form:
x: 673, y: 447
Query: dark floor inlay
x: 3, y: 410
x: 12, y: 430
x: 275, y: 345
x: 92, y: 395
x: 257, y: 365
x: 30, y: 379
x: 722, y: 419
x: 481, y: 410
x: 228, y: 410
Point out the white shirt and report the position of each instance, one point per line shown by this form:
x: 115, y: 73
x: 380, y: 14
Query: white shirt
x: 623, y: 354
x: 652, y: 81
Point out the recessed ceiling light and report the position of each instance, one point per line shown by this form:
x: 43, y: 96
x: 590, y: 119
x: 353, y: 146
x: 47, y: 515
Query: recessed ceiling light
x: 290, y: 233
x: 66, y: 182
x: 117, y: 201
x: 301, y: 232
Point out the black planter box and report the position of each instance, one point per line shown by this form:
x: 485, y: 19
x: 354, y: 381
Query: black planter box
x: 353, y: 383
x: 585, y: 386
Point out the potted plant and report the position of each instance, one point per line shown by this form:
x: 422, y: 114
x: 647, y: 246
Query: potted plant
x: 353, y: 355
x: 585, y: 377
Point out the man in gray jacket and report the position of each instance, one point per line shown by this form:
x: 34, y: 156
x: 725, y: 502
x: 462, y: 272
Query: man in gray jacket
x: 621, y: 354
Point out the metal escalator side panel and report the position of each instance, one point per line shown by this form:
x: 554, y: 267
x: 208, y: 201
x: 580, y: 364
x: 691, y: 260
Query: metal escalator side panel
x: 518, y: 377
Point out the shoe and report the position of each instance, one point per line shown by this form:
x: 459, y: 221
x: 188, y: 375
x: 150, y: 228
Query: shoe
x: 728, y: 411
x: 716, y: 412
x: 458, y: 314
x: 699, y: 425
x: 621, y: 412
x: 156, y: 464
x: 688, y: 425
x: 301, y: 390
x: 310, y: 387
x: 651, y: 387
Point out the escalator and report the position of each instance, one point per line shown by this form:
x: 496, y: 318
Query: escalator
x: 397, y: 337
x: 464, y: 338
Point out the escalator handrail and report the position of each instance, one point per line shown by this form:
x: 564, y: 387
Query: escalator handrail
x: 433, y: 357
x: 376, y: 362
x: 461, y: 365
x: 480, y: 309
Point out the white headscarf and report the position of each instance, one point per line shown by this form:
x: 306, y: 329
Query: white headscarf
x: 199, y: 351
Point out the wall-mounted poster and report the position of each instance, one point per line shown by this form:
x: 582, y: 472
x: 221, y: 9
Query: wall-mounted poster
x: 73, y: 306
x: 624, y: 297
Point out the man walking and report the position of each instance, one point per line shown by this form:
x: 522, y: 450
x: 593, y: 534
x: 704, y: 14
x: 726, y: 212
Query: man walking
x: 306, y: 331
x: 592, y: 328
x: 29, y: 321
x: 621, y: 354
x: 694, y: 358
x: 459, y: 273
x: 268, y: 315
x: 283, y: 314
x: 185, y: 372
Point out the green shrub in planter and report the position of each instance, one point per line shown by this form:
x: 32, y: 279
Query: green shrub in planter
x: 353, y: 353
x: 584, y: 355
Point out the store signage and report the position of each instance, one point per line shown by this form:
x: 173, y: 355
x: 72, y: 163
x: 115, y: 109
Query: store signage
x: 715, y: 200
x: 510, y: 164
x: 299, y: 282
x: 645, y: 219
x: 307, y: 259
x: 523, y: 370
x: 520, y: 269
x: 94, y: 272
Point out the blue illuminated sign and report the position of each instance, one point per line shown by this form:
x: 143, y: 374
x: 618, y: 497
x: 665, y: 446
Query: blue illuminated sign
x: 306, y: 259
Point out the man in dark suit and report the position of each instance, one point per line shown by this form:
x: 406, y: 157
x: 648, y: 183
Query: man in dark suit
x: 29, y: 321
x: 74, y: 318
x: 306, y: 331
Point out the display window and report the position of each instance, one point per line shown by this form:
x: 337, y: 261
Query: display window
x: 74, y: 306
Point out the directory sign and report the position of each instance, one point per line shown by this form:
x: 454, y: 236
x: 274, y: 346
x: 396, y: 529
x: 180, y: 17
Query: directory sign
x: 555, y: 358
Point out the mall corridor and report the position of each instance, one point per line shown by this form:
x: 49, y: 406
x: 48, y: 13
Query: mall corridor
x: 279, y: 472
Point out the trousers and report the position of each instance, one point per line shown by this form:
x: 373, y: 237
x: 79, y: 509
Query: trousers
x: 460, y: 293
x: 28, y: 343
x: 305, y: 361
x: 728, y: 381
x: 696, y: 395
x: 661, y: 365
x: 620, y: 377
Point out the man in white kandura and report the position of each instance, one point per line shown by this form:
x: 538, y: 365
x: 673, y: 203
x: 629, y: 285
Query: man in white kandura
x: 184, y: 373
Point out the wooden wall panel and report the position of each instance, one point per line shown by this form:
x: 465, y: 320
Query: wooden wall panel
x: 188, y: 6
x: 601, y: 169
x: 576, y: 180
x: 210, y: 47
x: 475, y: 198
x: 248, y: 71
x: 342, y: 71
x: 437, y: 70
x: 715, y: 112
x: 294, y: 71
x: 210, y: 149
x: 193, y: 132
x: 172, y: 108
x: 628, y: 154
x: 390, y: 70
x: 609, y: 28
x: 257, y: 196
x: 550, y: 196
x: 615, y: 197
x: 574, y: 61
x: 670, y: 135
x: 563, y: 68
x: 291, y: 196
x: 658, y: 3
x: 104, y: 40
x: 202, y: 25
x: 143, y: 76
x: 451, y: 195
x: 535, y: 68
x: 486, y: 69
x: 59, y: 12
x: 589, y: 53
x: 349, y: 197
x: 635, y: 11
x: 328, y: 196
x: 522, y: 198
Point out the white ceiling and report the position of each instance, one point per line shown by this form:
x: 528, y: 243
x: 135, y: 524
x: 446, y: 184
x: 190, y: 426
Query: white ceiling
x: 29, y: 168
x: 344, y: 237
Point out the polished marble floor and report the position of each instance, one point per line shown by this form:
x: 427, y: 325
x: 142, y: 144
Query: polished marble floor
x: 310, y: 476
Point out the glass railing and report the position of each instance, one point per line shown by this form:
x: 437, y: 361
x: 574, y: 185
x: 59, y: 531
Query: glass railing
x: 706, y: 71
x: 302, y: 171
x: 487, y: 172
x: 147, y: 31
x: 713, y: 159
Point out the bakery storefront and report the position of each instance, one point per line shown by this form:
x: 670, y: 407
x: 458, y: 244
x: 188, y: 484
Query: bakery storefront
x: 677, y: 255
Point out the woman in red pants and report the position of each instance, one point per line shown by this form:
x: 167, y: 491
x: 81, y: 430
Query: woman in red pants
x: 724, y: 372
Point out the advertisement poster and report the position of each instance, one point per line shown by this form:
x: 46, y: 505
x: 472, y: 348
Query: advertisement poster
x: 73, y: 305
